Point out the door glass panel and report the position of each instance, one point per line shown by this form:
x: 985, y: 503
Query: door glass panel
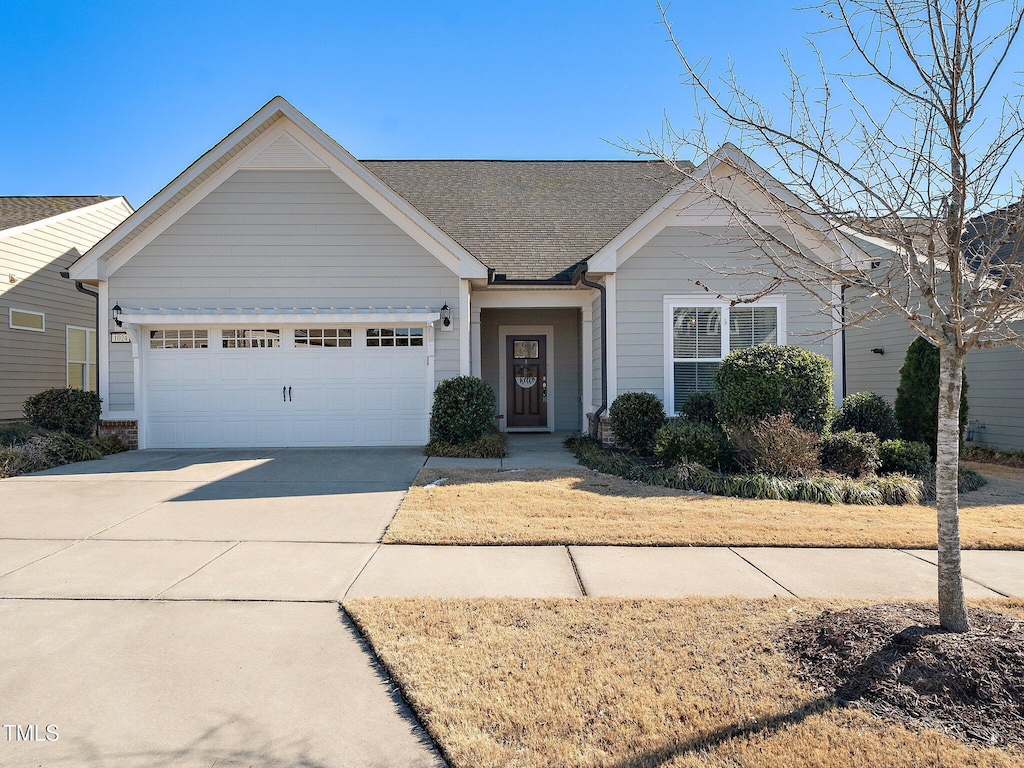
x: 526, y: 350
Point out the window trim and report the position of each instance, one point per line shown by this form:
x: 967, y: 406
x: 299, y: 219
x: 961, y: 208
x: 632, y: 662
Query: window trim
x: 351, y: 338
x: 671, y: 303
x: 422, y: 336
x: 11, y: 324
x: 150, y: 330
x: 67, y: 355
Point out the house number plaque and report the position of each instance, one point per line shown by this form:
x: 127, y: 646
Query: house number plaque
x: 119, y: 337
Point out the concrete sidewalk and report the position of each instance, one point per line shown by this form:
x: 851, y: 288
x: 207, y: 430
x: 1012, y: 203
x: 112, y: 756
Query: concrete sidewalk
x: 325, y: 572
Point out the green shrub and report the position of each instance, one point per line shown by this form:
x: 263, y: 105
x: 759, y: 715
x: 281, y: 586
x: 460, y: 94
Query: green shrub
x: 768, y: 380
x: 850, y: 453
x: 700, y: 407
x: 12, y: 434
x: 687, y: 441
x: 917, y: 398
x: 967, y: 480
x: 44, y: 451
x: 906, y: 457
x: 636, y: 418
x: 463, y: 411
x: 895, y: 489
x: 867, y: 412
x: 493, y: 445
x: 775, y: 446
x: 65, y: 448
x: 110, y: 445
x: 74, y: 411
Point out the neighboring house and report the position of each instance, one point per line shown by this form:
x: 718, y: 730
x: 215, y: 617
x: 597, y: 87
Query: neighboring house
x: 875, y: 354
x: 280, y: 292
x: 47, y: 327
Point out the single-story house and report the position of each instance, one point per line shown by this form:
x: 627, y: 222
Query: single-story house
x: 47, y: 327
x: 280, y: 292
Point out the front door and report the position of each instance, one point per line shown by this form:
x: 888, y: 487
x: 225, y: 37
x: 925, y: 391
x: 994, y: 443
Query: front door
x: 527, y: 382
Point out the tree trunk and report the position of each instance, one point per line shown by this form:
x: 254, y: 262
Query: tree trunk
x: 952, y: 609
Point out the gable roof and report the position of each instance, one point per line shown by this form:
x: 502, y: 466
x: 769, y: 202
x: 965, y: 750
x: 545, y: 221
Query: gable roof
x: 260, y: 132
x: 17, y: 211
x: 529, y: 219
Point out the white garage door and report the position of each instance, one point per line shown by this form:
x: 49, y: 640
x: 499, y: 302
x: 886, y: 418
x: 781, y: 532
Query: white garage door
x: 276, y: 387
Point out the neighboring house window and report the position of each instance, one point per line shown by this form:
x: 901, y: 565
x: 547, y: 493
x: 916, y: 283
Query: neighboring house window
x: 251, y: 338
x: 183, y: 339
x: 323, y: 337
x: 394, y: 337
x: 81, y: 358
x: 701, y: 332
x: 26, y: 320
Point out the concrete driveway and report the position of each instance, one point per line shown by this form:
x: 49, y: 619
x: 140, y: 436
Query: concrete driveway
x: 244, y: 658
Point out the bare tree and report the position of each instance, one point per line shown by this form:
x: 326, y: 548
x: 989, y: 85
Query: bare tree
x: 895, y: 152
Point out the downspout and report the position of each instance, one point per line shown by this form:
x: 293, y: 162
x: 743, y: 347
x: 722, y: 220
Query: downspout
x: 580, y: 276
x: 842, y: 322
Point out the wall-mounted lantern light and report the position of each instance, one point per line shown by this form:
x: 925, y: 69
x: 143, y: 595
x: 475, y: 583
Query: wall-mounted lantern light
x: 117, y: 315
x: 446, y: 315
x: 878, y: 350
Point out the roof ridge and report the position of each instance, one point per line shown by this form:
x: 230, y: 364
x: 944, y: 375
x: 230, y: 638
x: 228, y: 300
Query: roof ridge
x: 499, y: 160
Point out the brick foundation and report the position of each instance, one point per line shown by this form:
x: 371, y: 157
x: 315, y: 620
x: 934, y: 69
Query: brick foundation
x: 604, y: 429
x: 127, y: 431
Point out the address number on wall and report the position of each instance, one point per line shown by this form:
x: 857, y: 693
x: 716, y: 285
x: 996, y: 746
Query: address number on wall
x: 119, y: 337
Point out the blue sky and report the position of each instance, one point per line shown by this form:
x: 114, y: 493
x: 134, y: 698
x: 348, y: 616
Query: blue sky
x: 119, y: 97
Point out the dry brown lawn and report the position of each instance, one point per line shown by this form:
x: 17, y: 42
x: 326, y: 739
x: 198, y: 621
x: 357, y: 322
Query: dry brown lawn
x: 580, y: 506
x: 632, y: 684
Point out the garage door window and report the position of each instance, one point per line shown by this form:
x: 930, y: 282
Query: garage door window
x: 394, y: 337
x: 185, y: 339
x: 306, y: 338
x: 251, y: 338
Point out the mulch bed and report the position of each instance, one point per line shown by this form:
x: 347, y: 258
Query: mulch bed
x: 894, y: 661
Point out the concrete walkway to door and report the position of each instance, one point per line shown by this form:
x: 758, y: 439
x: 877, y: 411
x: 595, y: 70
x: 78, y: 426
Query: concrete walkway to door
x: 526, y: 450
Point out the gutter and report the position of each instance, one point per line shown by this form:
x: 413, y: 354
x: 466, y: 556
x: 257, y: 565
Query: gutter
x: 580, y: 277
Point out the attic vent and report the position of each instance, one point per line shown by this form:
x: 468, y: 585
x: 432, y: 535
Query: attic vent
x: 285, y: 152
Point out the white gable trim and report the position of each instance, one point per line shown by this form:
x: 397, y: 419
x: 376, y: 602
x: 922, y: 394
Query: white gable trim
x: 111, y: 203
x: 812, y: 231
x: 299, y: 128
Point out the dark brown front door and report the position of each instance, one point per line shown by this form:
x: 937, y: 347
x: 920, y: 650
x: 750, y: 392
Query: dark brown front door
x: 527, y: 381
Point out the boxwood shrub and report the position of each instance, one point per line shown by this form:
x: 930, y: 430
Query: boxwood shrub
x: 867, y: 412
x: 700, y: 407
x: 850, y: 453
x: 636, y: 418
x: 905, y: 456
x: 769, y: 380
x: 463, y: 411
x: 687, y: 441
x: 74, y: 411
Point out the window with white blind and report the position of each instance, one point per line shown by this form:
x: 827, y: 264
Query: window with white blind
x: 700, y: 332
x: 81, y: 358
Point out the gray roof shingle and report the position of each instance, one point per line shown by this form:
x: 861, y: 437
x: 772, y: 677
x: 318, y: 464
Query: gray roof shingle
x: 17, y: 211
x: 529, y: 219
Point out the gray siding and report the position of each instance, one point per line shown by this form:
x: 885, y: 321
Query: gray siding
x: 669, y: 265
x: 31, y: 361
x: 283, y: 238
x: 566, y: 378
x: 995, y: 378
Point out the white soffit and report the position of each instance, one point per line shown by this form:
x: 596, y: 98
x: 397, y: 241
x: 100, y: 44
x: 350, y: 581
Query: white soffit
x: 285, y: 152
